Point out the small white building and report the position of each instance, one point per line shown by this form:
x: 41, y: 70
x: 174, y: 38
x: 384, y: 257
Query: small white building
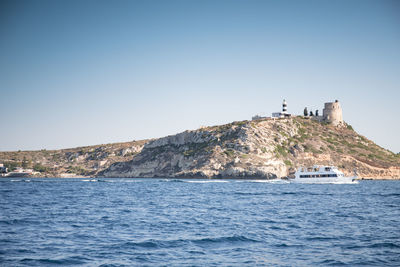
x: 275, y: 115
x: 257, y: 117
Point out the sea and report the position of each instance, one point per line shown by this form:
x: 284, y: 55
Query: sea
x: 178, y: 222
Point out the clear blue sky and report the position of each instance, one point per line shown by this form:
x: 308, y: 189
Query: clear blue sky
x: 75, y: 73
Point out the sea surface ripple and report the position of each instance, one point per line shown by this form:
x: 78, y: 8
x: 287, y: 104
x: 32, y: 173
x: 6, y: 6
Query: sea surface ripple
x: 173, y: 222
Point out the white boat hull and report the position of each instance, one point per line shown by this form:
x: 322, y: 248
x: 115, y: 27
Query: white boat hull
x: 327, y: 180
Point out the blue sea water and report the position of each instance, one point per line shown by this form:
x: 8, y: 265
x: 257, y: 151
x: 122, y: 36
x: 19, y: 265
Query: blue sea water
x: 167, y: 222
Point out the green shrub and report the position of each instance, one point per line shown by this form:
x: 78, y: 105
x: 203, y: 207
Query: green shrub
x: 314, y: 150
x: 229, y: 152
x: 40, y: 168
x: 330, y: 140
x: 301, y: 131
x: 302, y: 138
x: 280, y: 150
x: 240, y: 123
x: 283, y: 133
x: 195, y: 148
x: 352, y: 151
x: 12, y: 165
x: 78, y: 170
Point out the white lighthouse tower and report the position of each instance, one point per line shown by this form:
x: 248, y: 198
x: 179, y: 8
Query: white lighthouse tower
x: 284, y: 112
x: 284, y: 107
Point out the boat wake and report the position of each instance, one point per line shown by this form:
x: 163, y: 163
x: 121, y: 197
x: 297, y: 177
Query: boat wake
x: 323, y: 182
x: 206, y: 181
x: 272, y: 181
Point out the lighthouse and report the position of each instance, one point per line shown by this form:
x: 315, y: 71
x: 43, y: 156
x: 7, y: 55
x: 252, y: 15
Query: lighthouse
x: 284, y: 112
x: 284, y: 107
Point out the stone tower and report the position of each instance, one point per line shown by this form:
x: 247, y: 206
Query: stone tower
x: 332, y: 113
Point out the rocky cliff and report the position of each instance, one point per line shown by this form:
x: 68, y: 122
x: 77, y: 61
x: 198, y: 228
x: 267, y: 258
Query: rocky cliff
x: 258, y: 149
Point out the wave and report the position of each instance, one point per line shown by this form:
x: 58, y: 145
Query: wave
x: 388, y: 195
x: 249, y: 193
x: 271, y: 181
x: 321, y: 238
x: 74, y: 260
x: 352, y: 182
x: 384, y: 245
x: 206, y: 181
x: 172, y: 180
x: 225, y: 239
x: 155, y: 244
x: 389, y: 245
x: 331, y: 262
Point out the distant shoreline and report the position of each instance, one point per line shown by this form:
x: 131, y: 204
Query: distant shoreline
x: 186, y: 178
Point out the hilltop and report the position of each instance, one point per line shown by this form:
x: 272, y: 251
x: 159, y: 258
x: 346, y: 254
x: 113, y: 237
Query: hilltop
x: 265, y: 148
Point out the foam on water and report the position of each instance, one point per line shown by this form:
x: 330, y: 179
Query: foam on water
x: 206, y: 181
x: 271, y: 181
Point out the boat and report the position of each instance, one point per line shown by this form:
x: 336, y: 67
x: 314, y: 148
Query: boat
x: 19, y: 172
x: 322, y: 175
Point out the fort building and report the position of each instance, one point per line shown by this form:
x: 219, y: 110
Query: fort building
x: 332, y: 113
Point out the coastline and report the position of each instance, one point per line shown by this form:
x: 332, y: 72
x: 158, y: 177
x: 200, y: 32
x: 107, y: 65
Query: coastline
x: 190, y: 178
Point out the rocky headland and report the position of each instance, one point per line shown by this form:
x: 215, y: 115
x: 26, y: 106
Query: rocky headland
x: 266, y: 149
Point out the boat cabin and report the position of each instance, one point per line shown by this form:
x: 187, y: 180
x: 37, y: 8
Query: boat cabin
x: 318, y: 172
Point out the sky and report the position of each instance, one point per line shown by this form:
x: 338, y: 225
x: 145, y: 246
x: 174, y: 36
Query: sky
x: 77, y: 73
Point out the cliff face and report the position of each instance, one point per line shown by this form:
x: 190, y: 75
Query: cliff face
x: 258, y: 149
